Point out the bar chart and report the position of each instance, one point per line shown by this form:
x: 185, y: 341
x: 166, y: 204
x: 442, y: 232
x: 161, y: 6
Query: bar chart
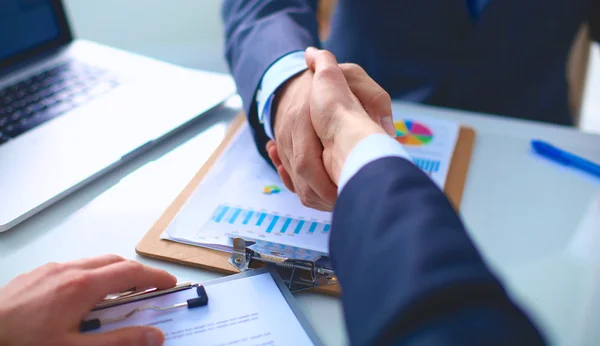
x: 268, y: 226
x: 426, y: 165
x: 229, y: 217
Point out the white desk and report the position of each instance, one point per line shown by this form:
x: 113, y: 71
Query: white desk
x: 523, y: 211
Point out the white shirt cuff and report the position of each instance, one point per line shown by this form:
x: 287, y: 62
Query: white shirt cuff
x: 373, y: 147
x: 279, y: 73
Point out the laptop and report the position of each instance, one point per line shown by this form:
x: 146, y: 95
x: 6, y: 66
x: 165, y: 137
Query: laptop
x: 71, y: 109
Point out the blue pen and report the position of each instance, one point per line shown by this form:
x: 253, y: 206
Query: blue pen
x: 553, y: 153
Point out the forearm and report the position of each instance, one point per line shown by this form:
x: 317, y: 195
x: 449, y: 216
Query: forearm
x: 402, y: 254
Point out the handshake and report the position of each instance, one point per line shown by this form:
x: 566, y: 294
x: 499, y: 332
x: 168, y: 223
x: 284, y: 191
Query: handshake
x: 321, y: 115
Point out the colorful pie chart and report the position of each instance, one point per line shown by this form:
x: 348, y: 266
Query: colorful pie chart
x: 412, y: 133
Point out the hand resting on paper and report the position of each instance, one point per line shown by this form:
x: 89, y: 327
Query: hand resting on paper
x: 46, y: 306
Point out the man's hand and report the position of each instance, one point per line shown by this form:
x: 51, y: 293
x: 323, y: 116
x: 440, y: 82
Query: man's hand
x: 46, y: 306
x: 298, y: 154
x: 339, y: 119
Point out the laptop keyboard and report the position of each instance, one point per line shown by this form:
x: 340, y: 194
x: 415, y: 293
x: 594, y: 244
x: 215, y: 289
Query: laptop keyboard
x: 49, y: 94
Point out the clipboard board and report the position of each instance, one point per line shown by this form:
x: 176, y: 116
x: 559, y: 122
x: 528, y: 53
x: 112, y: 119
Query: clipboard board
x: 153, y: 246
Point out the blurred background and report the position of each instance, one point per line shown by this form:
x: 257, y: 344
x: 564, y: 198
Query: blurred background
x: 190, y: 33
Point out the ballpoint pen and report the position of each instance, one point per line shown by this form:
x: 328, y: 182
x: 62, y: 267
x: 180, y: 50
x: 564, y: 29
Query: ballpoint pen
x: 558, y: 155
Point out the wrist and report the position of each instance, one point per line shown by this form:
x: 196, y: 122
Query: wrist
x: 352, y: 130
x: 288, y: 95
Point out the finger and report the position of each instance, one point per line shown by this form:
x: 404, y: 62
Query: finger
x: 320, y: 60
x: 270, y: 144
x: 285, y: 178
x: 95, y: 262
x: 328, y: 80
x: 130, y: 336
x: 286, y: 166
x: 283, y: 174
x: 375, y: 100
x: 90, y: 286
x: 314, y: 186
x: 118, y: 277
x: 274, y: 156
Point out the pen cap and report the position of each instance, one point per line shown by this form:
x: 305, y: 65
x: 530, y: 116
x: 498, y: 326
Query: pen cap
x: 549, y: 151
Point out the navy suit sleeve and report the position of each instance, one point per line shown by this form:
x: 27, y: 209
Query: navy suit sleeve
x: 409, y: 273
x: 594, y: 20
x: 258, y: 33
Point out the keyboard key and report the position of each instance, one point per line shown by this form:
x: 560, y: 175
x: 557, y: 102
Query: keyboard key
x: 20, y: 94
x: 34, y: 108
x: 22, y: 103
x: 50, y: 101
x: 17, y: 115
x: 7, y: 100
x: 6, y: 111
x: 9, y: 129
x: 4, y: 121
x: 33, y: 88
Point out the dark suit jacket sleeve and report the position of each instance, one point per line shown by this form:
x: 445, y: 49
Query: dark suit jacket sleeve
x: 258, y: 33
x: 409, y: 273
x: 594, y: 19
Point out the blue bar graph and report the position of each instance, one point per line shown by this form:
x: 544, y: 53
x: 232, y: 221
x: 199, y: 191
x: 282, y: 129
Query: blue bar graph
x: 222, y: 214
x: 299, y: 227
x: 285, y: 225
x: 272, y: 224
x: 236, y: 213
x: 248, y: 216
x: 261, y: 218
x: 238, y: 219
x: 426, y: 165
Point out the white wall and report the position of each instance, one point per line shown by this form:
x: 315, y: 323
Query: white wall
x: 186, y: 32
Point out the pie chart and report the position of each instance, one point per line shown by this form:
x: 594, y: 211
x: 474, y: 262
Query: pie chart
x: 412, y: 133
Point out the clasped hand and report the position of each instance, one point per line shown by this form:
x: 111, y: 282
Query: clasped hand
x: 321, y: 115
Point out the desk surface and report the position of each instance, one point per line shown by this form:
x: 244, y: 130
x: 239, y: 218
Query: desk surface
x: 535, y: 222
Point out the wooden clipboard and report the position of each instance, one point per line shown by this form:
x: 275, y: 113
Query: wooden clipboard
x: 154, y: 247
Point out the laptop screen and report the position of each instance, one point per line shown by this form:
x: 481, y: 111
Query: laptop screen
x: 30, y: 27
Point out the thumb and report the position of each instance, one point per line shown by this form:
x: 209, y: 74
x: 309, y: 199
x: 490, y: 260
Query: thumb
x: 129, y: 336
x: 328, y: 79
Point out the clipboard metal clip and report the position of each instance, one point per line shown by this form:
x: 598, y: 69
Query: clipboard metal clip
x: 298, y: 275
